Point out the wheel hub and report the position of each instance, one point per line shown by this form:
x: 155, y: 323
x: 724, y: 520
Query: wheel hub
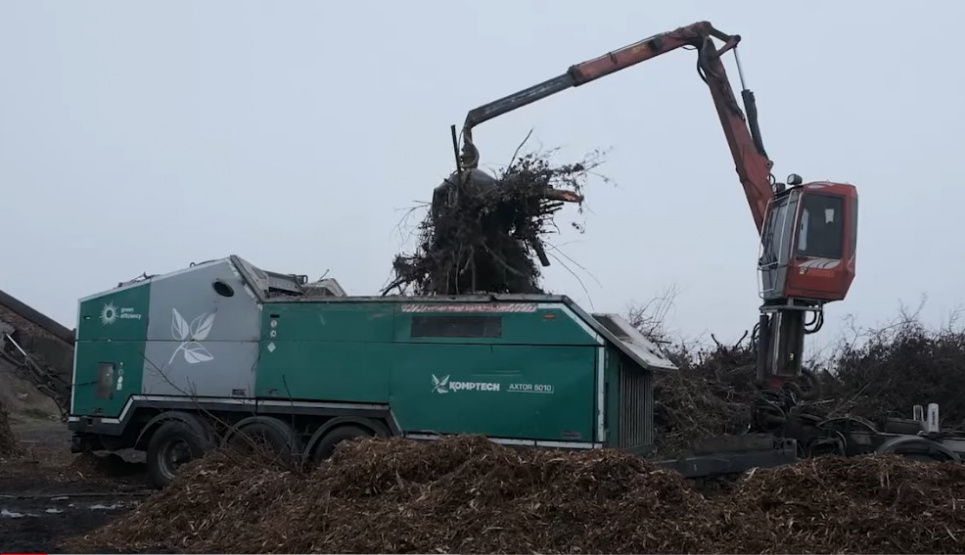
x: 176, y: 453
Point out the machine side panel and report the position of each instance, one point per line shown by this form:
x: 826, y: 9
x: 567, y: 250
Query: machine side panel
x: 362, y: 322
x: 327, y: 351
x: 202, y: 342
x: 111, y: 331
x: 514, y: 323
x: 511, y: 391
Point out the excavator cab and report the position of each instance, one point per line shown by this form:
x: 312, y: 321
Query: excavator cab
x: 808, y: 243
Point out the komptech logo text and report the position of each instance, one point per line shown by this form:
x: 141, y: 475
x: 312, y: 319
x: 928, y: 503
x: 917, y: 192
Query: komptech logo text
x: 445, y: 385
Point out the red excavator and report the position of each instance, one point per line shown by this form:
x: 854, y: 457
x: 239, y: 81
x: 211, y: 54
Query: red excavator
x: 808, y: 230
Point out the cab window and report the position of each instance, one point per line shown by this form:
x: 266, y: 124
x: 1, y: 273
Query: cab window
x: 821, y: 228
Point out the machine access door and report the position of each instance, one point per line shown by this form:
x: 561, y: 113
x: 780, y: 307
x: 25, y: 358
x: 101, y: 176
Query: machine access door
x: 777, y: 244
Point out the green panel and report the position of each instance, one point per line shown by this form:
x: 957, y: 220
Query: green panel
x: 325, y: 371
x: 326, y: 352
x: 108, y: 372
x: 117, y: 316
x: 433, y: 390
x: 339, y: 321
x: 546, y: 326
x: 110, y: 350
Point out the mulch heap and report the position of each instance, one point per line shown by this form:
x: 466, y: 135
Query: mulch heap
x: 484, y: 234
x: 468, y: 495
x: 9, y: 446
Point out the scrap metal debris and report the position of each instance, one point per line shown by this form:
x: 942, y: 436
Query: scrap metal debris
x: 469, y: 495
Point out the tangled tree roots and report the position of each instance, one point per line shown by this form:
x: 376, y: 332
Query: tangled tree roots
x: 484, y: 234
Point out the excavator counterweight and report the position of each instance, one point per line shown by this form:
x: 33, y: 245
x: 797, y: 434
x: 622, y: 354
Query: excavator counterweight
x: 808, y: 231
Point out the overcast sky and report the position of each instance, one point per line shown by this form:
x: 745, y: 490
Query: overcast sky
x: 141, y: 136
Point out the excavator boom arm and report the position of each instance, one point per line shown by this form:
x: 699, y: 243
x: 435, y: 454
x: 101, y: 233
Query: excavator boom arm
x: 753, y: 166
x: 798, y: 281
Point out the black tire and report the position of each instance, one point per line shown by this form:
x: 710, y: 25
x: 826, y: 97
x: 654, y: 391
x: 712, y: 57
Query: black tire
x: 172, y: 445
x: 249, y: 438
x: 326, y: 446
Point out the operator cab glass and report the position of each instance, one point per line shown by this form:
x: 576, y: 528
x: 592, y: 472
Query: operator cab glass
x: 821, y: 230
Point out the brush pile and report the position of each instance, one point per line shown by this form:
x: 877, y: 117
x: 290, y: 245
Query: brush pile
x: 468, y: 495
x: 710, y: 395
x: 895, y: 368
x: 898, y: 366
x: 485, y: 234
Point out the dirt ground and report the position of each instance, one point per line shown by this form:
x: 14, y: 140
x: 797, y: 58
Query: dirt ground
x: 51, y: 494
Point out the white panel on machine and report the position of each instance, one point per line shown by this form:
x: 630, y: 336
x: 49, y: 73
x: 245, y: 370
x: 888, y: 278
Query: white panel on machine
x: 631, y: 339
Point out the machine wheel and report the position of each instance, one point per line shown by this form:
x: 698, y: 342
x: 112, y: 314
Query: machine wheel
x: 326, y: 446
x: 264, y: 435
x: 172, y: 445
x: 918, y: 449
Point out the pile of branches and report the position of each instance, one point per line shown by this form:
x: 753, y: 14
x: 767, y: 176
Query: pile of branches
x: 485, y: 234
x: 710, y: 395
x: 898, y: 366
x: 711, y: 392
x: 877, y: 374
x: 468, y: 495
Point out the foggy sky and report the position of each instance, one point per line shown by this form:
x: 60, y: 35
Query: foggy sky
x: 141, y: 136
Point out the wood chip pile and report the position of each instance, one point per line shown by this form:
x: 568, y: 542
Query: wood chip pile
x: 468, y: 495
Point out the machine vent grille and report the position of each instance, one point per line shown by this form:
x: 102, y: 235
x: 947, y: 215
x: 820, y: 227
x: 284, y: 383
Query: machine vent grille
x: 490, y: 327
x: 636, y: 406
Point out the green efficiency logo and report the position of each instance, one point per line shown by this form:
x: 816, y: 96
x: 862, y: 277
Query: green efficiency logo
x: 111, y: 313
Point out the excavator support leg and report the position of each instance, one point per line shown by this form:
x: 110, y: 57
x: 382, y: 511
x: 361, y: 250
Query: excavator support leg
x: 781, y: 346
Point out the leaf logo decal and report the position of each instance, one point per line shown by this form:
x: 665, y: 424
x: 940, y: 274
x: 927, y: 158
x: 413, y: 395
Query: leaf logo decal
x: 201, y: 326
x: 440, y: 385
x: 179, y: 326
x: 189, y: 335
x: 195, y: 353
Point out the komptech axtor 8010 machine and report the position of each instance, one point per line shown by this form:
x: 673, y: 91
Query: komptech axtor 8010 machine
x: 223, y: 351
x: 808, y: 230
